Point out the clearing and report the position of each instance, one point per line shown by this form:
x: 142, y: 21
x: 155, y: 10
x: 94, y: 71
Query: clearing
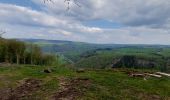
x: 31, y: 83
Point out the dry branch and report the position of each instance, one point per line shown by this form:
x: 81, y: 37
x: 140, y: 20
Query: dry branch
x: 154, y: 75
x: 2, y: 33
x: 164, y: 74
x: 68, y: 2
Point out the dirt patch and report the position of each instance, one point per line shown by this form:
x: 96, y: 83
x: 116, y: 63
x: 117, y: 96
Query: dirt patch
x: 145, y: 96
x: 22, y: 91
x: 71, y: 89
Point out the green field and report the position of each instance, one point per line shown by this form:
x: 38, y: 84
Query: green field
x: 110, y: 84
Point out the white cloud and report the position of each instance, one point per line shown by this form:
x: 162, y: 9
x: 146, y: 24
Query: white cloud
x: 144, y: 21
x: 153, y: 13
x: 66, y: 33
x: 21, y: 15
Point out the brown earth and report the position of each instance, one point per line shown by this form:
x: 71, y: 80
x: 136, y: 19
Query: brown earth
x: 22, y: 91
x: 71, y: 89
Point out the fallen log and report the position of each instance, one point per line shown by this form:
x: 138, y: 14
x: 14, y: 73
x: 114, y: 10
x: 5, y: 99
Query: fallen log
x: 144, y: 75
x: 154, y: 75
x: 164, y: 74
x: 80, y: 71
x: 136, y: 75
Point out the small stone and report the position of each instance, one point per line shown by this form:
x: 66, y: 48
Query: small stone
x: 47, y: 70
x: 80, y: 71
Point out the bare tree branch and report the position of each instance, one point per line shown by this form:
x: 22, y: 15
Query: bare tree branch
x: 48, y: 1
x: 77, y: 3
x: 2, y: 32
x: 68, y: 2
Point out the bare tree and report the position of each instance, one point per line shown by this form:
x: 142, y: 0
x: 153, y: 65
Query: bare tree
x: 2, y: 32
x: 68, y: 2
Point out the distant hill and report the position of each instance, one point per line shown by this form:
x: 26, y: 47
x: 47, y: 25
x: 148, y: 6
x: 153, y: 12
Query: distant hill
x: 64, y: 46
x: 88, y: 55
x: 70, y: 49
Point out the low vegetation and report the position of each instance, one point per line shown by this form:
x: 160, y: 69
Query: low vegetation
x: 30, y: 82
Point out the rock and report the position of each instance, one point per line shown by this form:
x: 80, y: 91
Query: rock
x: 80, y: 71
x: 4, y: 64
x: 48, y: 70
x: 133, y: 62
x: 126, y: 61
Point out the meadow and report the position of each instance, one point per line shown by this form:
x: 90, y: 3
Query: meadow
x: 30, y: 82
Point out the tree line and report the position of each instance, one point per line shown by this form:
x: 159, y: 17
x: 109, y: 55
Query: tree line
x: 16, y: 52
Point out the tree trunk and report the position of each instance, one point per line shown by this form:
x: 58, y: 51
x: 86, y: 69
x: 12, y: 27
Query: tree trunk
x: 24, y: 60
x: 18, y: 59
x: 6, y: 59
x: 31, y: 60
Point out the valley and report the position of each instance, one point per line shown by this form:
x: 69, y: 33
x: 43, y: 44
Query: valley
x: 103, y: 56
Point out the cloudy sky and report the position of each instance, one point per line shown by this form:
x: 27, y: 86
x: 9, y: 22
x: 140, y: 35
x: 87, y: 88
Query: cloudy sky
x: 96, y: 21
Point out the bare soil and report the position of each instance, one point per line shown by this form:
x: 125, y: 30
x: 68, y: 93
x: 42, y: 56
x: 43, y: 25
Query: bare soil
x: 71, y: 89
x: 22, y: 91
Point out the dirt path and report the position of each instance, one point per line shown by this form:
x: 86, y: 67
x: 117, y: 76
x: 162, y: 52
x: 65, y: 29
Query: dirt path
x: 71, y: 89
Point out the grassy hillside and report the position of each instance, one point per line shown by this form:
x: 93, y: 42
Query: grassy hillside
x: 31, y: 83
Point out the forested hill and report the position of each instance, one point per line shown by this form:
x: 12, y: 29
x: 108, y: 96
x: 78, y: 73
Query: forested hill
x: 73, y: 50
x: 86, y: 55
x: 70, y: 49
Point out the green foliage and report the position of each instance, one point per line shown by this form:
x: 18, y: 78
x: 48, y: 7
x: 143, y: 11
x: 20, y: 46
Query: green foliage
x: 17, y: 52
